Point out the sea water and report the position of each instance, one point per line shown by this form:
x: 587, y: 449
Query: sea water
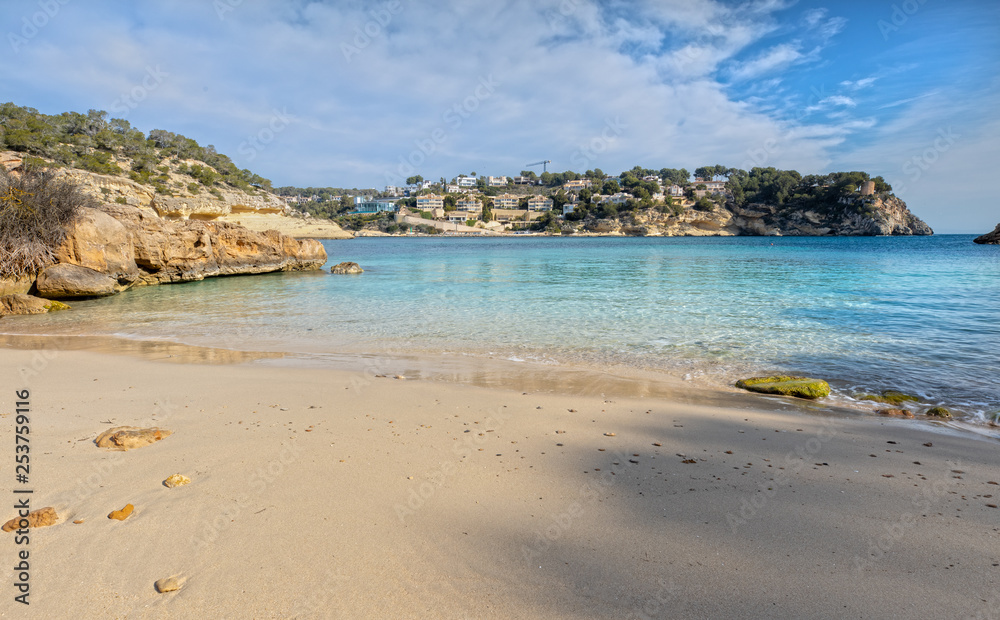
x: 916, y: 314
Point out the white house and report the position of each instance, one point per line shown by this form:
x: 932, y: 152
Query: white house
x: 466, y: 181
x: 496, y: 181
x: 618, y: 199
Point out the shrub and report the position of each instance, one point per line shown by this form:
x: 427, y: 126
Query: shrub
x: 35, y: 209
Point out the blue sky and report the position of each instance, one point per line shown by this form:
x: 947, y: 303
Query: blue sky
x: 362, y: 94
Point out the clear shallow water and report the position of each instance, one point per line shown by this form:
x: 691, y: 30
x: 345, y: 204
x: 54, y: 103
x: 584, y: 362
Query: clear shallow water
x: 919, y: 314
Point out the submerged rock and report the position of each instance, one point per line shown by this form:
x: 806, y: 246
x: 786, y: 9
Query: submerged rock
x: 992, y: 238
x: 939, y: 412
x: 130, y: 437
x: 801, y: 387
x: 42, y: 517
x: 889, y: 397
x: 347, y: 268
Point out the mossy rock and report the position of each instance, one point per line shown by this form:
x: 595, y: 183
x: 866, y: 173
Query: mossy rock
x: 801, y: 387
x: 52, y: 305
x: 939, y: 412
x: 889, y: 397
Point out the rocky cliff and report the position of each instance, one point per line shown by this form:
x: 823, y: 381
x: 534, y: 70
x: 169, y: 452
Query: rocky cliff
x: 992, y: 238
x: 260, y: 211
x: 127, y: 241
x: 119, y: 246
x: 861, y: 216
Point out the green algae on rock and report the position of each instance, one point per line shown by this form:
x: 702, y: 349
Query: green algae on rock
x: 939, y: 412
x: 801, y: 387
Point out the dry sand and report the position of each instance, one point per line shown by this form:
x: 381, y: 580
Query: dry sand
x: 330, y: 494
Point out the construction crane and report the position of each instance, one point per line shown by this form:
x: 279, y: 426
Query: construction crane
x: 544, y: 165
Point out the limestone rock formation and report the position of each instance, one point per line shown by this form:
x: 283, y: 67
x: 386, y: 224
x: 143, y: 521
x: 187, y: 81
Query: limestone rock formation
x: 130, y: 437
x: 347, y: 268
x: 801, y: 387
x: 100, y: 242
x: 179, y: 251
x: 69, y: 281
x: 28, y: 304
x: 42, y: 517
x: 992, y: 238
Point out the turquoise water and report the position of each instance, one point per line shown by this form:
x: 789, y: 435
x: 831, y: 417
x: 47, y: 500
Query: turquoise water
x: 919, y: 314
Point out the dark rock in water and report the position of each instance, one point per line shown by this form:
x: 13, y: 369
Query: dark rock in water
x: 346, y: 268
x: 939, y: 412
x: 992, y: 238
x: 801, y: 387
x: 66, y: 281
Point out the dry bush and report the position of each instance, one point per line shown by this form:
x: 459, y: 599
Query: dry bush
x: 35, y: 210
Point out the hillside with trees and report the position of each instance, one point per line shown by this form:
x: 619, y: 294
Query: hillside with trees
x: 95, y: 143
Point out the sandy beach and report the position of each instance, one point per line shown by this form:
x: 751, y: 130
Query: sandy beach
x: 321, y: 493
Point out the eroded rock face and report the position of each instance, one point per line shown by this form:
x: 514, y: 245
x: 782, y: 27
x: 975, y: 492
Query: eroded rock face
x: 100, y: 242
x: 68, y: 281
x: 992, y: 238
x: 130, y: 437
x: 28, y: 304
x: 185, y: 250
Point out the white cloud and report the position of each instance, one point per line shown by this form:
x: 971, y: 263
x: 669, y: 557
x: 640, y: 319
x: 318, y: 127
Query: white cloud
x: 774, y: 59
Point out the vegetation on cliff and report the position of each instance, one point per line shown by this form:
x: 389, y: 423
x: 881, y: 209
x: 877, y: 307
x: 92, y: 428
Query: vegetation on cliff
x: 35, y: 210
x: 95, y: 143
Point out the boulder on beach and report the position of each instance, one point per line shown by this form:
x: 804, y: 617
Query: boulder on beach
x: 800, y: 387
x: 992, y: 238
x: 346, y: 268
x: 939, y: 412
x: 42, y: 517
x: 66, y: 281
x: 130, y: 437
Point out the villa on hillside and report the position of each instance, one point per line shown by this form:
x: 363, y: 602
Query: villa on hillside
x: 675, y: 190
x: 466, y: 181
x: 577, y: 185
x: 617, y: 199
x: 496, y: 181
x: 506, y: 201
x: 469, y: 205
x: 430, y: 201
x: 366, y: 204
x: 539, y: 203
x: 522, y: 181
